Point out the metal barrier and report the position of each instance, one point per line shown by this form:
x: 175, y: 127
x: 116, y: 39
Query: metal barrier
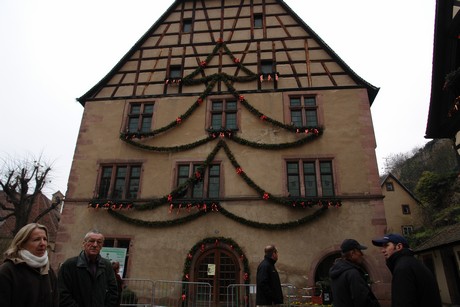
x: 244, y: 295
x: 181, y: 294
x: 163, y: 293
x: 137, y: 292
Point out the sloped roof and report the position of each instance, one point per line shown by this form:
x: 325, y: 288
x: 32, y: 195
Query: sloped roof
x: 391, y: 176
x: 446, y: 236
x: 371, y: 90
x: 50, y: 220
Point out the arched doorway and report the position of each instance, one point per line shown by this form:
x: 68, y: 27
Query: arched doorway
x: 219, y: 262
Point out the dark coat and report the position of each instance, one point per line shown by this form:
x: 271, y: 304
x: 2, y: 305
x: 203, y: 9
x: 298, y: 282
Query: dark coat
x: 413, y: 284
x: 24, y: 286
x: 349, y: 286
x: 79, y: 287
x: 268, y: 283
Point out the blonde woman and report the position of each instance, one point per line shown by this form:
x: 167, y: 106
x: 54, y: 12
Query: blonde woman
x: 26, y: 278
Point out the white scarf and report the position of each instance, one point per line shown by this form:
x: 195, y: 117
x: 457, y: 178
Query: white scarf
x: 32, y: 260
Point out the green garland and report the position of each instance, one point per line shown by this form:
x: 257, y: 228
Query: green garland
x: 204, y: 206
x: 216, y: 241
x: 217, y: 208
x: 212, y: 80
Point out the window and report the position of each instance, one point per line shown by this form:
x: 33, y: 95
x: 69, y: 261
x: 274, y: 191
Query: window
x: 405, y: 209
x: 208, y: 185
x: 303, y: 179
x: 187, y: 26
x: 175, y: 72
x: 119, y: 181
x: 389, y: 186
x: 407, y: 229
x: 304, y: 111
x: 266, y: 67
x: 224, y: 114
x: 258, y: 20
x: 119, y: 243
x: 140, y: 117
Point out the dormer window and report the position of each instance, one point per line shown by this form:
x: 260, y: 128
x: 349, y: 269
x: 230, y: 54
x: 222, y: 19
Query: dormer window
x: 187, y: 25
x: 175, y: 75
x: 266, y: 67
x: 175, y: 72
x: 258, y: 21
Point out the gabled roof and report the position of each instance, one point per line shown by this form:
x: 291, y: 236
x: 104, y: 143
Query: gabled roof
x: 371, y: 90
x: 50, y: 220
x: 446, y: 236
x: 392, y: 177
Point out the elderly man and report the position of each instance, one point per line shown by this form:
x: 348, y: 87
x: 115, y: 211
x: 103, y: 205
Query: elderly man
x: 88, y: 280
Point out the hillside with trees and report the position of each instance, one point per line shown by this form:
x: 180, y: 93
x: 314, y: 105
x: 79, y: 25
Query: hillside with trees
x: 431, y: 173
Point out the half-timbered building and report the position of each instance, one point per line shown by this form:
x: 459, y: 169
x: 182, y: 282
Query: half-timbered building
x: 228, y: 126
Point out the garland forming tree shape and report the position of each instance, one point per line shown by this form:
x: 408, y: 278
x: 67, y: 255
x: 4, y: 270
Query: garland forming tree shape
x: 205, y: 206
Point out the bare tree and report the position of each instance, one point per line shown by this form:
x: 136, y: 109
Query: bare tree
x: 22, y: 182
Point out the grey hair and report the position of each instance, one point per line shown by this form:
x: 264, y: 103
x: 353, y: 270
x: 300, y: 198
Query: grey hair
x: 93, y: 231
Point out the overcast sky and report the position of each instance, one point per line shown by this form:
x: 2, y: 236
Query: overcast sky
x: 53, y: 51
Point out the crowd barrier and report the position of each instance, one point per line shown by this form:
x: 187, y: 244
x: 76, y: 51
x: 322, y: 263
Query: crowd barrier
x: 164, y: 293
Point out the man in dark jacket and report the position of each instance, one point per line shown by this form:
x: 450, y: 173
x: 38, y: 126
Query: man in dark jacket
x: 88, y: 280
x: 348, y: 281
x: 269, y: 292
x: 413, y: 284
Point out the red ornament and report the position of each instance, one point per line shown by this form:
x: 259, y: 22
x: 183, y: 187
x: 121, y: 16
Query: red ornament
x: 197, y: 175
x: 203, y: 64
x: 246, y: 276
x: 169, y: 198
x: 178, y: 120
x: 200, y: 100
x: 263, y: 117
x: 187, y: 276
x: 184, y: 297
x: 202, y: 247
x: 239, y: 170
x: 266, y: 196
x: 236, y: 60
x: 241, y: 97
x: 220, y: 40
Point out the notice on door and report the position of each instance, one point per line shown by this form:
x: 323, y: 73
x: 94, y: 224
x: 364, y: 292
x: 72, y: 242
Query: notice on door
x: 211, y: 269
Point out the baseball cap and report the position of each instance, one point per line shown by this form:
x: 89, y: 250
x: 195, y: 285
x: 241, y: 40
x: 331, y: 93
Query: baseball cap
x: 393, y: 238
x: 350, y: 244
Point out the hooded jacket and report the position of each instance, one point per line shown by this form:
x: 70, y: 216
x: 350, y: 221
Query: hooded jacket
x: 268, y: 283
x: 79, y: 287
x: 349, y: 286
x: 413, y: 284
x: 24, y: 286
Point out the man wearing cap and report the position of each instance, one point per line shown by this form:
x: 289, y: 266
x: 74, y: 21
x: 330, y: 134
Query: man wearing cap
x: 348, y: 282
x: 413, y: 284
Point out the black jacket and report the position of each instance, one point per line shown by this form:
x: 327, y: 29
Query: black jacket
x: 268, y: 283
x: 78, y: 286
x: 413, y: 284
x: 349, y: 286
x: 24, y: 286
